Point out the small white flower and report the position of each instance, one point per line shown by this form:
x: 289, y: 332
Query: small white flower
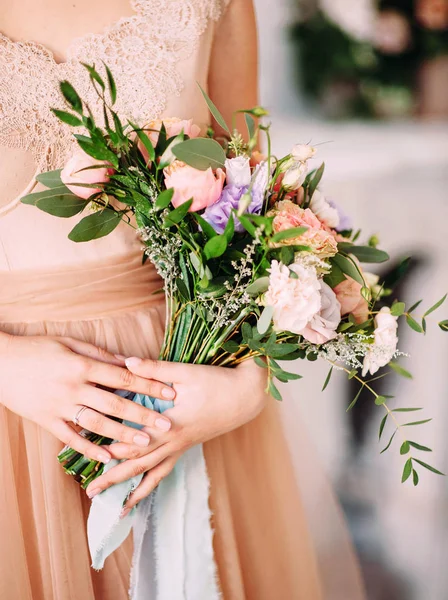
x: 295, y: 176
x: 295, y: 300
x: 303, y: 152
x: 238, y: 171
x: 324, y: 211
x: 384, y: 347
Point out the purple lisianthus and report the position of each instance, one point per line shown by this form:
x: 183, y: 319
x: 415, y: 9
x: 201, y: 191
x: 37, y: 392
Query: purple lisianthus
x: 345, y: 222
x: 219, y: 213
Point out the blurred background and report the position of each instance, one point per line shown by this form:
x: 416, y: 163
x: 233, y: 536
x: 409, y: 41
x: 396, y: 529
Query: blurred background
x: 367, y: 83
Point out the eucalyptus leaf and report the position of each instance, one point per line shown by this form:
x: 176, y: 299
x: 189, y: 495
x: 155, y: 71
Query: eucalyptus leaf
x: 182, y: 289
x: 288, y: 234
x: 407, y: 470
x: 56, y: 202
x: 265, y: 319
x: 415, y: 477
x: 398, y: 309
x: 380, y: 400
x: 200, y: 153
x: 444, y: 325
x: 406, y: 409
x: 420, y: 447
x: 365, y: 254
x: 274, y: 392
x: 400, y: 370
x: 215, y: 112
x: 382, y: 425
x: 250, y: 124
x: 389, y: 443
x: 413, y: 324
x: 429, y: 467
x: 436, y: 306
x: 416, y: 423
x: 96, y: 225
x: 231, y: 347
x: 405, y: 447
x: 327, y: 380
x: 355, y: 400
x: 348, y: 267
x: 51, y: 179
x: 259, y: 286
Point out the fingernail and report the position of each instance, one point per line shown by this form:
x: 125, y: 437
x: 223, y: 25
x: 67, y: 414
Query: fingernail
x: 124, y: 513
x: 163, y: 424
x: 104, y: 458
x: 92, y: 493
x: 133, y: 362
x: 120, y: 357
x: 168, y: 392
x: 141, y: 439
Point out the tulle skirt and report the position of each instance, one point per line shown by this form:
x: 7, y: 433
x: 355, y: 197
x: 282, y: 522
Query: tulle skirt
x: 263, y: 546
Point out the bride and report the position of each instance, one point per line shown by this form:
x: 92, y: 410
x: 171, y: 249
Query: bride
x: 77, y: 319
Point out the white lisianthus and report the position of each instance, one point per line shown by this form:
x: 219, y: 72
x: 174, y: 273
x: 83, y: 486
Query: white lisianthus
x: 322, y: 327
x: 302, y: 152
x: 238, y: 171
x: 294, y: 176
x: 295, y: 300
x: 372, y: 282
x: 384, y: 347
x: 324, y: 211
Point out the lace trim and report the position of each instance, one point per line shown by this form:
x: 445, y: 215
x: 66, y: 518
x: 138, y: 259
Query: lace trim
x: 142, y: 50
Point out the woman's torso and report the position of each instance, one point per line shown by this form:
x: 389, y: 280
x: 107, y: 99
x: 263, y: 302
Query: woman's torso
x: 157, y: 50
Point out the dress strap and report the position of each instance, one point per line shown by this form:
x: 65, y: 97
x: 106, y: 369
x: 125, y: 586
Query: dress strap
x: 11, y: 205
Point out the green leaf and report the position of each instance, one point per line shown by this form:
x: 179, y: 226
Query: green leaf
x: 50, y: 179
x: 281, y: 349
x: 98, y: 152
x: 365, y: 254
x: 111, y: 83
x: 390, y: 442
x: 207, y: 229
x: 71, y: 96
x: 355, y: 400
x: 146, y: 143
x: 250, y: 124
x: 398, y: 309
x: 327, y: 380
x: 67, y: 118
x: 414, y: 306
x: 444, y: 325
x: 182, y: 288
x: 56, y: 202
x: 407, y: 470
x: 426, y: 466
x: 420, y: 447
x: 231, y: 347
x: 260, y: 362
x: 94, y: 75
x: 247, y: 224
x: 230, y: 229
x: 316, y: 180
x: 96, y: 225
x: 215, y: 112
x: 200, y: 153
x: 335, y: 277
x: 406, y: 409
x: 273, y: 390
x: 382, y: 425
x: 405, y: 448
x: 352, y: 373
x: 436, y: 306
x: 265, y: 319
x: 414, y: 477
x: 400, y: 370
x: 259, y: 286
x: 348, y: 267
x: 215, y: 247
x: 164, y: 199
x: 246, y: 331
x: 380, y: 400
x: 178, y: 214
x: 416, y: 423
x: 413, y: 324
x: 287, y: 257
x: 287, y: 234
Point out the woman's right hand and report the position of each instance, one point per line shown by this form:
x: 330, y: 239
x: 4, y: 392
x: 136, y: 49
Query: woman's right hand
x: 49, y: 379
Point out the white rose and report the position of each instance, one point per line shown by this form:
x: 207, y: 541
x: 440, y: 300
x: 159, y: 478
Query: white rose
x: 238, y: 171
x: 382, y: 351
x: 324, y: 211
x: 303, y: 152
x: 295, y: 301
x: 322, y: 327
x: 294, y: 176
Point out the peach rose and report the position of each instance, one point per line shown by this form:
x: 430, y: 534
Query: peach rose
x: 173, y: 127
x: 204, y: 187
x: 348, y: 292
x: 73, y: 173
x: 288, y: 215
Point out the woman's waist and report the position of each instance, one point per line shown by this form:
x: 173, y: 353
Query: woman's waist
x: 88, y: 291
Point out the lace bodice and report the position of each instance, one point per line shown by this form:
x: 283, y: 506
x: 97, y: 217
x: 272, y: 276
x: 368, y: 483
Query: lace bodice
x: 143, y: 52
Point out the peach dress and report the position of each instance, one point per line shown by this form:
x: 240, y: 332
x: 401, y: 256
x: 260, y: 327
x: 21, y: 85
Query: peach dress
x: 99, y: 292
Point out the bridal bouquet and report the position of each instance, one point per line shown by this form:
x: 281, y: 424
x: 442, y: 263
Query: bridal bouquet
x: 256, y: 262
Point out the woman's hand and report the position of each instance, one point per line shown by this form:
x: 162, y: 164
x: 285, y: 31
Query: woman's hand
x: 210, y: 401
x: 49, y: 380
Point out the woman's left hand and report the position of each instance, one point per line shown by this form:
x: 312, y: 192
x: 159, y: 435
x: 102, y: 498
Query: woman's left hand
x: 210, y: 401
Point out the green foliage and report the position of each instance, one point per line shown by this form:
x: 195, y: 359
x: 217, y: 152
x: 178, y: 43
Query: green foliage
x: 57, y: 201
x: 200, y: 153
x: 96, y: 225
x: 365, y: 254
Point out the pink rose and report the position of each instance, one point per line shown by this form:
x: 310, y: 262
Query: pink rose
x: 73, y: 173
x: 348, y: 292
x: 204, y: 187
x: 322, y: 327
x: 288, y: 215
x: 173, y: 127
